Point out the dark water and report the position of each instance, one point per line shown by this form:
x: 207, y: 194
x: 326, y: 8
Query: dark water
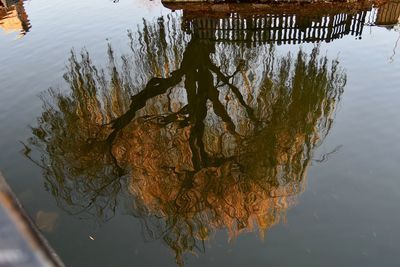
x: 138, y: 136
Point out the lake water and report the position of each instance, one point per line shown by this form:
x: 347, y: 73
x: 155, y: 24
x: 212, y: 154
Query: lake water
x: 135, y: 135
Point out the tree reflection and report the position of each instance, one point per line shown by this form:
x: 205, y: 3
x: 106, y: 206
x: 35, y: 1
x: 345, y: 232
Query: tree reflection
x: 199, y: 136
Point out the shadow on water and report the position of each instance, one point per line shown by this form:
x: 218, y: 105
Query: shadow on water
x: 192, y: 134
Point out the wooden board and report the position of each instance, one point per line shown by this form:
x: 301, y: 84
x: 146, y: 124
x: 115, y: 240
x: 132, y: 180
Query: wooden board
x: 21, y: 245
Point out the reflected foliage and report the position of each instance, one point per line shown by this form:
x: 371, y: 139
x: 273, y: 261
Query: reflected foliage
x: 199, y: 136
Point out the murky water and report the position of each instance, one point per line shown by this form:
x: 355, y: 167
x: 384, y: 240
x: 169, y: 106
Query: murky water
x: 138, y: 136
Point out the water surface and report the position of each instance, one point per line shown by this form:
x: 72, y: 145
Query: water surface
x: 135, y: 135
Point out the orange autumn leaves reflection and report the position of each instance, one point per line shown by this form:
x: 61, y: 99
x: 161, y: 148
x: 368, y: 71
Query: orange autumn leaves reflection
x: 194, y: 135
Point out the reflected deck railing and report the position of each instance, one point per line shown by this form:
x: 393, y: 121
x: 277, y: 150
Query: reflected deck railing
x: 286, y: 23
x: 282, y: 29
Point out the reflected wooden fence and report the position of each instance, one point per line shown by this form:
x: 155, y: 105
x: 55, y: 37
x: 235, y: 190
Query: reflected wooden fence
x: 290, y: 28
x: 281, y: 29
